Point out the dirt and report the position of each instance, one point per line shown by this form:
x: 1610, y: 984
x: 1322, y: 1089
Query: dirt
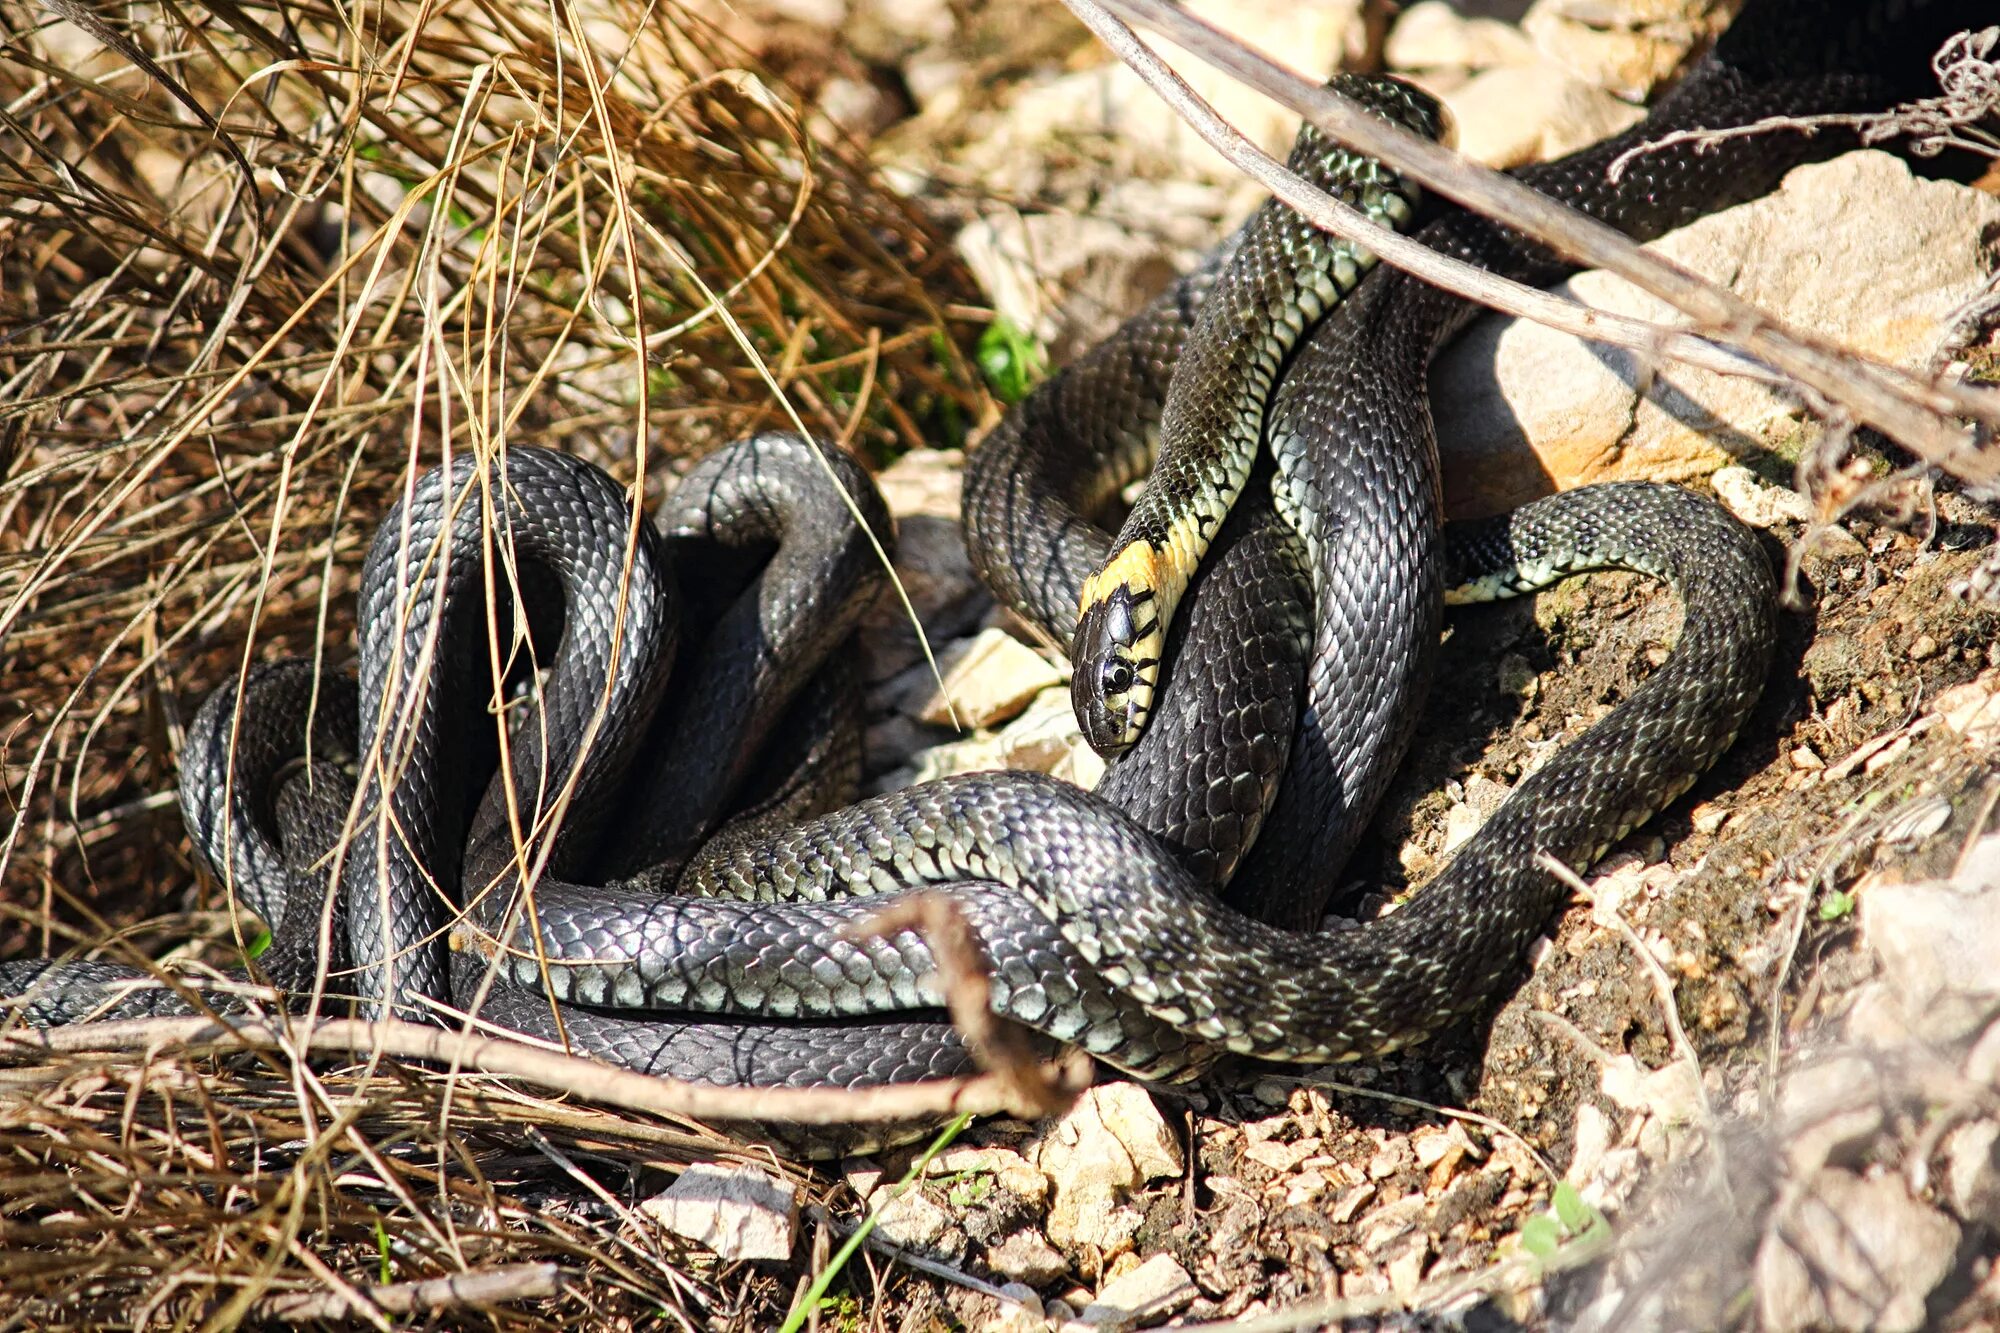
x: 1737, y: 897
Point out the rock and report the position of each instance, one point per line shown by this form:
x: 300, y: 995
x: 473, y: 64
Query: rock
x: 883, y: 32
x: 1153, y: 1292
x: 1937, y: 941
x: 1044, y: 272
x: 1010, y: 1171
x: 1433, y: 35
x: 1026, y: 1256
x: 741, y: 1212
x: 1626, y: 48
x: 1529, y: 113
x: 913, y: 1221
x: 1853, y: 1253
x: 922, y: 490
x: 827, y: 14
x: 1391, y: 1157
x: 1405, y: 1266
x: 1982, y: 1062
x: 987, y: 680
x: 1111, y: 103
x: 1972, y: 1172
x: 1043, y: 738
x: 857, y: 106
x: 1522, y: 410
x: 1757, y: 503
x: 937, y: 81
x: 1111, y: 1142
x: 1831, y: 1111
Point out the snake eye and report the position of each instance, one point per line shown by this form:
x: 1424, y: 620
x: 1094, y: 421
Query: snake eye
x: 1117, y: 677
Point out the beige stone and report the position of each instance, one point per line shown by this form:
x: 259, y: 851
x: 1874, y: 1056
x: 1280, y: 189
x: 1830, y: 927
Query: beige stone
x: 1628, y: 48
x: 742, y: 1212
x: 988, y: 679
x: 1150, y: 1293
x: 1434, y: 35
x: 1522, y: 410
x: 1517, y: 114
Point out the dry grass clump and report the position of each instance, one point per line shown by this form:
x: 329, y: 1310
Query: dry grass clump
x: 442, y: 225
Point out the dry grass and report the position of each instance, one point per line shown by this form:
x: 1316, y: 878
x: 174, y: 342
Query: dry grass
x: 471, y: 224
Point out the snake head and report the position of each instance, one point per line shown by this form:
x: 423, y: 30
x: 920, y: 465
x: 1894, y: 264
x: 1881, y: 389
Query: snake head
x: 1116, y: 661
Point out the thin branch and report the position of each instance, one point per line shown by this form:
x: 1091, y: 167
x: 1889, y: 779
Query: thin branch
x: 1915, y: 413
x: 493, y: 1286
x: 979, y: 1094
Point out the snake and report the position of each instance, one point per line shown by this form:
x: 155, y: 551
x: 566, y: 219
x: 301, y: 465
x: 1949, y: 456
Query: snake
x: 1105, y: 935
x: 1283, y: 275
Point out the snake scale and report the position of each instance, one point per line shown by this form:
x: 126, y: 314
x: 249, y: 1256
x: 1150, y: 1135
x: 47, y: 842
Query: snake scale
x: 1305, y: 644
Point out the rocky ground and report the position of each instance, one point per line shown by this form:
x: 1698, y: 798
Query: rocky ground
x: 1750, y: 1079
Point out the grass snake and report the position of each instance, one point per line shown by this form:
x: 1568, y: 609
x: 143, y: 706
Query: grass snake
x: 1304, y: 645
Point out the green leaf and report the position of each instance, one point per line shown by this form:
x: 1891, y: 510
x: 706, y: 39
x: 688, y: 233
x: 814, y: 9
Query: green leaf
x: 1576, y: 1216
x: 1836, y: 906
x: 1541, y: 1236
x: 382, y: 1247
x: 1011, y: 359
x: 258, y: 943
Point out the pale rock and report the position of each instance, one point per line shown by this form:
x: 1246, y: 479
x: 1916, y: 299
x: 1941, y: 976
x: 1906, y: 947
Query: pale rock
x: 1110, y: 102
x: 1152, y: 1293
x: 1522, y: 410
x: 1026, y: 1256
x: 883, y: 32
x: 937, y: 81
x: 857, y: 106
x: 924, y: 481
x: 739, y: 1212
x: 987, y: 680
x: 1936, y: 942
x: 1982, y: 1062
x: 1627, y: 48
x: 1972, y: 1172
x: 1110, y: 1143
x: 1045, y: 272
x: 1391, y: 1157
x: 1349, y: 1201
x: 1281, y: 1157
x: 1973, y: 711
x: 828, y: 14
x: 1831, y: 1111
x: 1043, y: 739
x: 1405, y: 1267
x: 1080, y: 765
x: 912, y: 1221
x: 1010, y: 1171
x: 1045, y: 733
x: 1434, y: 35
x: 1517, y: 114
x: 981, y: 754
x: 1593, y: 1140
x: 1853, y: 1253
x: 922, y: 490
x: 1482, y: 797
x: 1755, y: 501
x: 1381, y: 1228
x: 863, y: 1176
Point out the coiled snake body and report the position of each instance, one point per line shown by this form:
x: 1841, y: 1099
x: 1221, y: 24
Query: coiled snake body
x: 1101, y: 934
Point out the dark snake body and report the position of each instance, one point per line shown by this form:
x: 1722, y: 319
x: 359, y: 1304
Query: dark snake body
x: 1117, y: 943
